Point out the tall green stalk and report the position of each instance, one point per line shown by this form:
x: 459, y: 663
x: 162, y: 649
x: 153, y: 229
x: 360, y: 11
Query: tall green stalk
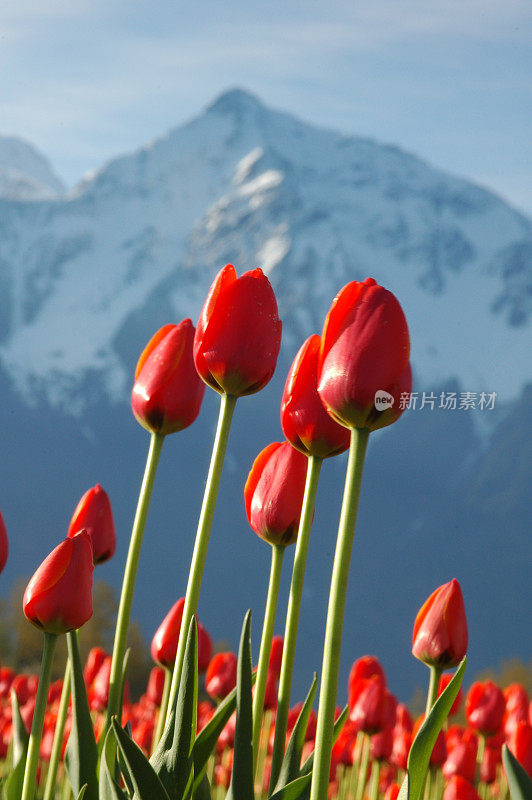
x: 292, y: 616
x: 34, y: 746
x: 130, y: 574
x: 335, y: 614
x: 227, y: 407
x: 266, y: 644
x: 161, y: 716
x: 432, y: 694
x: 59, y: 732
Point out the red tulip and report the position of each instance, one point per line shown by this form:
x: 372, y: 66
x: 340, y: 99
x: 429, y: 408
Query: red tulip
x: 276, y: 655
x: 274, y: 493
x: 167, y: 393
x: 4, y: 544
x: 365, y: 667
x: 520, y: 743
x: 365, y: 349
x: 238, y: 334
x: 305, y: 422
x: 220, y: 677
x: 440, y: 629
x: 439, y: 751
x: 461, y: 760
x: 490, y: 761
x: 484, y: 707
x: 403, y: 718
x: 444, y: 681
x: 95, y: 659
x: 381, y: 745
x: 517, y: 702
x: 58, y: 597
x: 459, y: 788
x: 93, y: 513
x: 166, y: 638
x: 402, y: 742
x: 371, y: 705
x: 392, y: 791
x: 154, y: 691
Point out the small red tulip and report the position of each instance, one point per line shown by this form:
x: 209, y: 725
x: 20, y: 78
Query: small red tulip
x: 490, y: 761
x: 95, y: 659
x: 392, y: 791
x: 238, y: 336
x: 403, y: 718
x: 365, y: 667
x: 444, y: 682
x: 461, y: 760
x: 402, y: 742
x: 365, y: 349
x: 517, y: 702
x: 4, y: 544
x: 459, y: 788
x: 274, y: 493
x: 439, y: 751
x: 305, y: 422
x: 440, y: 629
x: 276, y: 655
x: 220, y: 677
x: 167, y: 393
x: 58, y: 597
x: 381, y: 745
x: 520, y: 743
x: 94, y: 514
x: 154, y: 691
x: 371, y: 705
x: 166, y: 638
x: 484, y: 707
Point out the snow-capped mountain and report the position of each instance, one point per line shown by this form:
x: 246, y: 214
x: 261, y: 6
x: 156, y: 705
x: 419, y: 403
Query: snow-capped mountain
x: 86, y: 279
x: 314, y: 208
x: 25, y: 174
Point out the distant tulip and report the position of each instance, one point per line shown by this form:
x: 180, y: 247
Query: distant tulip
x: 392, y: 791
x: 402, y: 742
x: 154, y: 691
x: 439, y: 751
x: 95, y: 659
x: 274, y: 493
x: 167, y: 393
x: 365, y: 667
x: 381, y: 745
x: 484, y: 707
x: 4, y: 544
x: 459, y: 788
x: 440, y: 629
x: 165, y: 640
x: 276, y: 655
x: 220, y: 677
x: 58, y: 597
x: 305, y: 422
x: 238, y: 335
x: 365, y: 349
x: 371, y: 705
x: 94, y: 514
x: 444, y: 681
x: 520, y: 743
x: 461, y: 760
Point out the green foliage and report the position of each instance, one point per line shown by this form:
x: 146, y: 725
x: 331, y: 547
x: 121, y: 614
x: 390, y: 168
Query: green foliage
x: 12, y: 788
x: 519, y: 783
x: 290, y: 768
x: 241, y: 786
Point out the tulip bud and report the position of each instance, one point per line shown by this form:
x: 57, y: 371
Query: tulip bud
x: 365, y: 667
x: 93, y: 513
x: 238, y: 335
x: 365, y: 349
x: 4, y: 544
x: 371, y: 705
x: 58, y: 597
x: 154, y: 691
x: 305, y: 422
x: 167, y: 393
x: 459, y: 788
x: 274, y: 493
x: 95, y: 659
x: 276, y: 656
x: 440, y: 629
x: 484, y: 707
x: 443, y: 683
x: 520, y: 743
x: 220, y: 677
x: 166, y: 638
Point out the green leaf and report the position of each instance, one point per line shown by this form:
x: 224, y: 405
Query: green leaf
x: 290, y: 768
x: 422, y: 746
x: 172, y: 760
x: 293, y: 790
x: 241, y: 786
x: 337, y: 729
x: 519, y: 782
x: 109, y: 788
x: 81, y: 756
x: 81, y: 794
x: 143, y: 777
x: 203, y: 790
x: 20, y: 734
x: 208, y: 736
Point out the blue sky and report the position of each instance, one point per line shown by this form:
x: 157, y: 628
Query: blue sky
x: 450, y: 80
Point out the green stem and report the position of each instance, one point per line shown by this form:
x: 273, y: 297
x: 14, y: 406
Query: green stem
x: 432, y: 695
x: 292, y: 616
x: 374, y: 781
x: 227, y: 407
x: 59, y: 732
x: 130, y: 574
x: 335, y: 614
x: 161, y: 717
x: 265, y: 645
x: 32, y: 759
x: 480, y: 757
x: 364, y: 765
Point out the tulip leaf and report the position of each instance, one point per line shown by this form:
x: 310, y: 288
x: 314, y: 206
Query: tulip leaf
x: 208, y: 736
x: 81, y: 794
x: 293, y: 790
x: 422, y: 746
x: 241, y: 786
x: 20, y: 734
x: 145, y: 780
x: 203, y: 790
x: 173, y: 760
x: 81, y: 756
x: 290, y: 768
x: 109, y: 788
x: 337, y: 729
x: 519, y: 783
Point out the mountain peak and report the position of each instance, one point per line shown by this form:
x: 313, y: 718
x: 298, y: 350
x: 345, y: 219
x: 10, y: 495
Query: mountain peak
x: 235, y: 100
x: 25, y: 173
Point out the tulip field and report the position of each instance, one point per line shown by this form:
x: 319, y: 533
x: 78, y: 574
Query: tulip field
x: 226, y: 726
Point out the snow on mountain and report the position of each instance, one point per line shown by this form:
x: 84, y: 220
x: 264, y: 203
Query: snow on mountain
x: 25, y: 174
x: 257, y: 187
